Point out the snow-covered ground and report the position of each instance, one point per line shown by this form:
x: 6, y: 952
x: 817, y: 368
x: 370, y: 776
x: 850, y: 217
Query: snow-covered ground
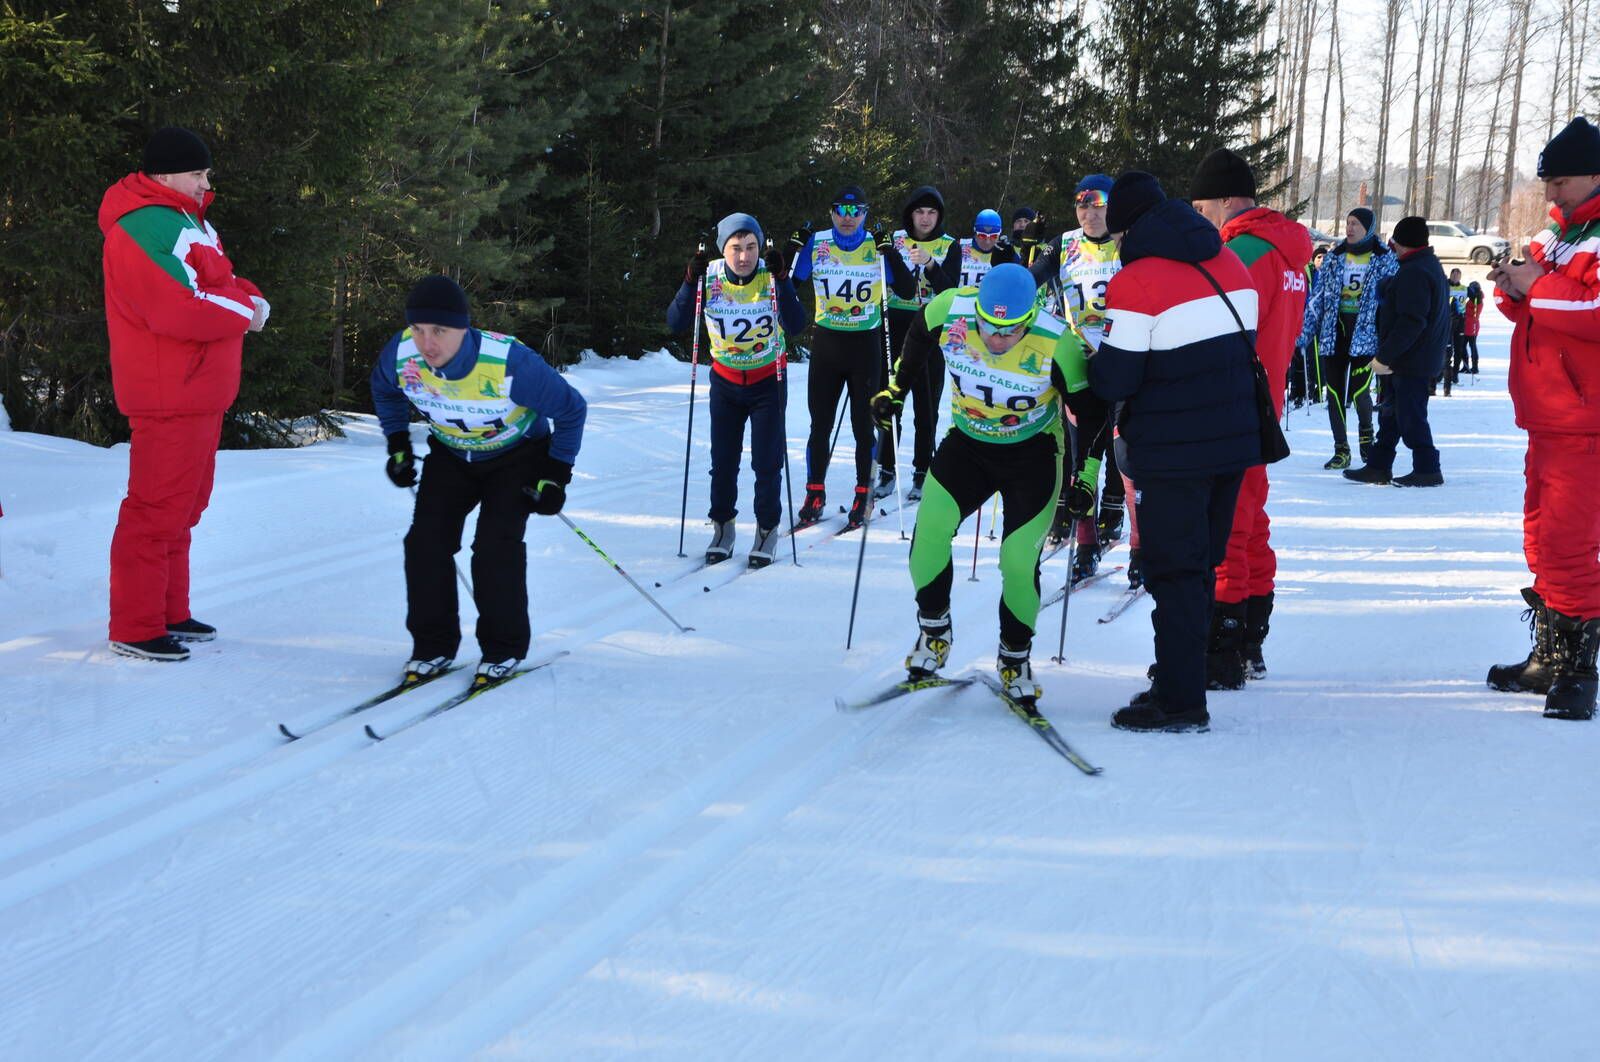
x: 671, y: 846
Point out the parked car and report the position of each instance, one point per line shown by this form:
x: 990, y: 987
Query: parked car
x: 1455, y: 240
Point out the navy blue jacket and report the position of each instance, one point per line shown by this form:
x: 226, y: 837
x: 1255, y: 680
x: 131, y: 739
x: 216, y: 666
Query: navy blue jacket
x: 1414, y: 317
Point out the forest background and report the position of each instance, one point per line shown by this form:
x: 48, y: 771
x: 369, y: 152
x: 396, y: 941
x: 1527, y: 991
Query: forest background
x: 562, y: 159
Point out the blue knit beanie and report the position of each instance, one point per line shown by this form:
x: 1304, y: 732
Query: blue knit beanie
x: 733, y: 224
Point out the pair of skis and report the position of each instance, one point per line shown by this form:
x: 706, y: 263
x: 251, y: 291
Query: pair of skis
x: 476, y: 687
x: 1028, y: 713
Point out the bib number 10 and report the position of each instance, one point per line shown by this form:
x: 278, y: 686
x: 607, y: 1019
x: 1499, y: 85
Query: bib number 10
x: 845, y: 290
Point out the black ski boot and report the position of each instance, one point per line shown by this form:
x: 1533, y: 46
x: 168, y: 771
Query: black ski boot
x: 1225, y: 668
x: 1572, y: 689
x: 1108, y: 528
x: 1135, y: 569
x: 1257, y: 613
x: 1364, y: 444
x: 1085, y: 560
x: 1533, y: 674
x: 811, y: 508
x: 1340, y: 458
x: 932, y: 648
x: 858, y: 510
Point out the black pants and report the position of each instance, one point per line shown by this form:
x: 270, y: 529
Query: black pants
x: 1458, y: 345
x: 1472, y: 345
x: 842, y: 362
x: 1347, y: 380
x: 1403, y: 416
x: 1183, y: 535
x: 923, y: 397
x: 451, y: 488
x: 762, y: 405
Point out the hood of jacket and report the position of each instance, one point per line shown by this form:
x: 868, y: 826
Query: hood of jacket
x: 1171, y: 229
x: 927, y: 195
x: 136, y: 191
x: 1288, y: 238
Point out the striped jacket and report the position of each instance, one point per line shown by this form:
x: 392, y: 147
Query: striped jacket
x: 1172, y: 354
x: 1555, y: 349
x: 176, y: 313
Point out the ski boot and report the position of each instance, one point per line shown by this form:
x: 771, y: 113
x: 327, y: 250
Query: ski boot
x: 1225, y: 668
x: 915, y: 493
x: 1364, y: 444
x: 1340, y: 458
x: 1108, y: 528
x: 491, y: 672
x: 166, y: 649
x: 811, y: 508
x: 1533, y: 674
x: 1135, y: 569
x: 721, y: 547
x: 1016, y: 674
x: 766, y: 544
x: 885, y: 485
x: 419, y: 670
x: 932, y: 648
x: 858, y: 510
x: 1085, y: 561
x: 191, y: 630
x: 1257, y: 613
x: 1573, y: 687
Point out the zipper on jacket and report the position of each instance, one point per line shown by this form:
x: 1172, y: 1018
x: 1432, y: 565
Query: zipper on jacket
x: 1566, y: 369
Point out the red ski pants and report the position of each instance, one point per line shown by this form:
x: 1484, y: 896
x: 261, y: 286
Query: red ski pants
x: 170, y: 467
x: 1250, y: 565
x: 1561, y: 521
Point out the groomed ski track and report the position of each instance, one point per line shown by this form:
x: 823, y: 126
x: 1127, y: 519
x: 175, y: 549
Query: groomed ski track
x: 672, y: 846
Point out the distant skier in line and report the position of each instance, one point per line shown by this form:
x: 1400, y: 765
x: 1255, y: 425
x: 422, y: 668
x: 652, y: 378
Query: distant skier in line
x: 1011, y: 368
x: 1456, y: 364
x: 1471, y: 323
x: 499, y: 419
x: 745, y: 341
x: 983, y: 250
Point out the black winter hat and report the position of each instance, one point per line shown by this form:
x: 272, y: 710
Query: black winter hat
x: 1221, y: 174
x: 1024, y: 212
x: 1411, y: 232
x: 1573, y: 152
x: 1131, y: 195
x: 437, y: 300
x: 175, y: 150
x: 850, y: 193
x: 1363, y: 215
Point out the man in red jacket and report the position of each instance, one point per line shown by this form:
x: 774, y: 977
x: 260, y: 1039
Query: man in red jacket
x: 1554, y: 302
x: 1276, y: 251
x: 177, y: 316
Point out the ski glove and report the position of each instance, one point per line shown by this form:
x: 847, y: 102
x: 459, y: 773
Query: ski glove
x: 696, y: 270
x: 550, y: 494
x: 882, y: 241
x: 777, y: 264
x: 886, y: 405
x: 798, y: 239
x: 401, y: 467
x: 1080, y: 492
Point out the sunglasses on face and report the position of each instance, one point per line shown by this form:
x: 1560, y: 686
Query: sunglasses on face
x: 985, y: 328
x: 849, y: 210
x: 986, y: 232
x: 1091, y: 198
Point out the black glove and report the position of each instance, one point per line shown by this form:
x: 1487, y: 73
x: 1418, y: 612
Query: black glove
x: 401, y: 467
x: 798, y: 239
x: 1079, y: 499
x: 886, y: 405
x: 883, y: 241
x: 548, y: 496
x: 777, y: 263
x: 696, y: 270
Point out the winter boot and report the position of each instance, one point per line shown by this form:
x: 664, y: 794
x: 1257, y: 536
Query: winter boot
x: 765, y: 545
x: 1340, y: 458
x: 1135, y: 569
x: 493, y: 671
x: 1420, y: 479
x: 1367, y: 474
x: 165, y: 649
x: 1150, y: 711
x: 721, y: 547
x: 1257, y: 612
x: 915, y: 493
x: 858, y: 510
x: 885, y: 485
x: 418, y: 670
x: 1572, y: 689
x: 191, y: 630
x: 811, y: 508
x: 1085, y: 562
x: 932, y: 648
x: 1016, y: 674
x: 1108, y: 527
x: 1364, y: 444
x: 1533, y: 674
x: 1225, y: 668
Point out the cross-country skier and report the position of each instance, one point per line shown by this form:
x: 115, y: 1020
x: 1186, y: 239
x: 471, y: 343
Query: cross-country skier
x: 746, y: 340
x: 1011, y: 366
x: 499, y: 419
x: 847, y: 356
x: 984, y: 249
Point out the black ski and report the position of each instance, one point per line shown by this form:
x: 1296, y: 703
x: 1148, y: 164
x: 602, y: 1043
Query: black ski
x: 1129, y: 596
x: 1039, y: 725
x: 1081, y: 584
x: 466, y: 695
x: 406, y: 686
x: 899, y: 689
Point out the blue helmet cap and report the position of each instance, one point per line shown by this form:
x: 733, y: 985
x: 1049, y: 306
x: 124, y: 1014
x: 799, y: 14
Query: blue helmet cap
x: 988, y: 222
x: 1006, y: 295
x: 1095, y: 182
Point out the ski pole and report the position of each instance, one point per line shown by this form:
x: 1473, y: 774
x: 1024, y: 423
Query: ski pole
x: 694, y: 371
x: 977, y: 529
x: 783, y: 409
x: 843, y: 409
x: 861, y: 555
x: 994, y: 517
x: 888, y: 377
x: 1066, y: 596
x: 459, y: 573
x: 532, y: 493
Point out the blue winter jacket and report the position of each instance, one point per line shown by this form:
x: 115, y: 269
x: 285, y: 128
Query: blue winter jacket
x: 1322, y: 308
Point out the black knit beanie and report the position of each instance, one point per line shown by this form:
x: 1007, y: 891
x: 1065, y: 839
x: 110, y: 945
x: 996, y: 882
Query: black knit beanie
x: 1573, y: 152
x: 1363, y: 215
x: 1411, y: 232
x: 1131, y: 195
x: 175, y: 150
x: 1221, y: 174
x: 437, y: 300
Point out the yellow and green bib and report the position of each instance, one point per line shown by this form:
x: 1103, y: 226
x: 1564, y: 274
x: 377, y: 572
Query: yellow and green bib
x: 1355, y: 269
x: 1085, y: 268
x: 936, y: 249
x: 975, y: 264
x: 473, y: 413
x: 740, y: 320
x: 848, y: 285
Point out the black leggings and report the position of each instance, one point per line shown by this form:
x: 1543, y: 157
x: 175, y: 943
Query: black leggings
x: 842, y: 362
x: 923, y: 396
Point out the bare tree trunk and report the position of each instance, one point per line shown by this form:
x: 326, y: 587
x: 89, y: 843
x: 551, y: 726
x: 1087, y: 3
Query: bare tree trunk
x: 341, y: 305
x: 1481, y: 210
x: 1444, y: 24
x: 1424, y: 16
x: 1574, y: 82
x: 1525, y: 10
x: 661, y: 108
x: 1462, y: 70
x: 1555, y: 75
x: 1306, y: 37
x: 1391, y: 30
x: 1338, y: 179
x: 1322, y: 126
